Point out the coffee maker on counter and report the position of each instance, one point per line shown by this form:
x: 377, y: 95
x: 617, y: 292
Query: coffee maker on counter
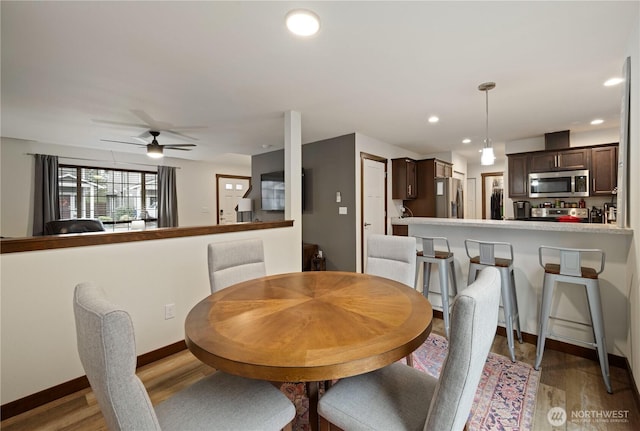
x: 521, y: 210
x: 595, y: 215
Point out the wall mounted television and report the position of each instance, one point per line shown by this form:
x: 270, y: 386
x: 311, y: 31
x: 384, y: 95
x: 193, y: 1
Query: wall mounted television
x: 272, y: 191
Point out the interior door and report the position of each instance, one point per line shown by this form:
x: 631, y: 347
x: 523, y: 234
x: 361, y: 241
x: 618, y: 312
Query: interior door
x: 374, y: 210
x: 230, y: 189
x: 470, y: 206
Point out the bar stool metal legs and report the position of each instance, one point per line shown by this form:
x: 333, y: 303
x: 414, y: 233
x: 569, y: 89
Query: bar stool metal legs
x: 446, y: 269
x: 570, y: 270
x: 486, y: 258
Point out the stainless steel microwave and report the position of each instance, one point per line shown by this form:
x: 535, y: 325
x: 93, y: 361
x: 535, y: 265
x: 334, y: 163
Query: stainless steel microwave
x: 559, y: 184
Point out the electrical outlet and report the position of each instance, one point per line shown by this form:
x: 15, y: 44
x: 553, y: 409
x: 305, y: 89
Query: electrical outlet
x: 169, y: 311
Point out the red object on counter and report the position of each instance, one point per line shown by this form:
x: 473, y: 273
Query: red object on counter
x: 569, y: 219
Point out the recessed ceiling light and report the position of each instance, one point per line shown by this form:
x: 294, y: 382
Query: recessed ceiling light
x: 433, y: 119
x: 613, y: 81
x: 466, y: 141
x: 303, y: 22
x: 597, y: 121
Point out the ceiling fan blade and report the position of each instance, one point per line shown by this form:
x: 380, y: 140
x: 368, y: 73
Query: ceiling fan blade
x: 123, y: 142
x: 121, y: 124
x: 179, y: 145
x: 169, y: 147
x: 189, y: 128
x: 180, y: 135
x: 146, y: 118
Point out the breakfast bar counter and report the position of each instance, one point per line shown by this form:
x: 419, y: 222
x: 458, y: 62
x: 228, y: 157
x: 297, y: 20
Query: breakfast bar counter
x: 570, y: 301
x: 515, y: 224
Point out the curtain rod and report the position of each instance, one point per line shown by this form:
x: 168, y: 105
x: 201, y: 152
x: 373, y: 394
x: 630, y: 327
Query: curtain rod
x: 103, y: 161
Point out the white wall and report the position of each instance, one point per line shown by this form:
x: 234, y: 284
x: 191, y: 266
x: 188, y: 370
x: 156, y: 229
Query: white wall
x: 576, y: 139
x: 196, y: 181
x: 633, y: 264
x: 197, y: 189
x: 38, y: 329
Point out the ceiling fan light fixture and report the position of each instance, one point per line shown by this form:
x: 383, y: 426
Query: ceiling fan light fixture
x: 155, y: 151
x: 302, y: 22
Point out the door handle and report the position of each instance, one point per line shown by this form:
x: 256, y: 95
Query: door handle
x: 367, y: 224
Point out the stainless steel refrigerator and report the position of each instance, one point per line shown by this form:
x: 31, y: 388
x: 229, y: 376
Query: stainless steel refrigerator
x: 449, y: 198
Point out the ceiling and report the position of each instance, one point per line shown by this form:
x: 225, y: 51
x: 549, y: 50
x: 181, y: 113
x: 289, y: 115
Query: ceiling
x: 224, y: 73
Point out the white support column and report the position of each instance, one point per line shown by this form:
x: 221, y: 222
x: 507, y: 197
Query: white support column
x: 293, y: 172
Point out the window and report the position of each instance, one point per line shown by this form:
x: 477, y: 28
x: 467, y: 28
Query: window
x: 113, y: 196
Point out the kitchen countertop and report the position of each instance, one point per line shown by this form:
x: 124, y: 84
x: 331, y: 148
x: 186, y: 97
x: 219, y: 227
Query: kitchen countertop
x: 516, y: 224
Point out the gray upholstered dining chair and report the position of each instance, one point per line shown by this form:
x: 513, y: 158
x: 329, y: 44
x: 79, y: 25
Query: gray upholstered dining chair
x: 232, y: 262
x: 107, y: 351
x: 392, y: 257
x: 398, y: 397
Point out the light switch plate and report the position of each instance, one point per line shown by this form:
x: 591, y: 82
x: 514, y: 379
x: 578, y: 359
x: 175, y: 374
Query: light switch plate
x: 169, y: 311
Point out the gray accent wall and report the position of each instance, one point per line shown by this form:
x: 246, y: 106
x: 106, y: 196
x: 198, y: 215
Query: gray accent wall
x: 262, y: 164
x: 329, y: 167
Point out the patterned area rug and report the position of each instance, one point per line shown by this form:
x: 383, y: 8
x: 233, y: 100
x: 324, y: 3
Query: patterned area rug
x: 505, y: 400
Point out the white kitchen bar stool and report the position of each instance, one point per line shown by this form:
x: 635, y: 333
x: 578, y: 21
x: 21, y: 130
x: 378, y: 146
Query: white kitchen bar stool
x: 487, y: 257
x: 570, y: 270
x: 446, y: 268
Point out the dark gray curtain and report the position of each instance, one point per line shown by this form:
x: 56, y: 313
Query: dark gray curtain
x: 167, y: 198
x: 46, y: 206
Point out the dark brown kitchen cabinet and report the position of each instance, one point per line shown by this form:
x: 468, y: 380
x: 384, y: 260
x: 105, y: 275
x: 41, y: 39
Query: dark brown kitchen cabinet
x: 404, y: 179
x: 400, y: 229
x: 545, y: 161
x: 424, y: 205
x: 518, y: 176
x: 604, y: 170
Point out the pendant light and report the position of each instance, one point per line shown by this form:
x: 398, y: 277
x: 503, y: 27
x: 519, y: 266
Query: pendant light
x: 487, y: 158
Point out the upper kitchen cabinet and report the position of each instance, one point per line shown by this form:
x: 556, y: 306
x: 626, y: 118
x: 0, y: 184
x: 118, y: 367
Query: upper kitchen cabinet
x: 604, y: 170
x: 404, y: 179
x: 545, y: 161
x: 442, y: 169
x: 518, y: 176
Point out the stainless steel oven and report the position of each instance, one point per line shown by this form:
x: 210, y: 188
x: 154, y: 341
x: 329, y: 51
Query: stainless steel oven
x: 559, y: 184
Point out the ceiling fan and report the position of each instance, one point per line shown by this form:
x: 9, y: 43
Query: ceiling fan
x: 154, y: 149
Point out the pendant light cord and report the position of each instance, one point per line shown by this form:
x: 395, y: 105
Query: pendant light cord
x: 486, y: 142
x: 486, y: 87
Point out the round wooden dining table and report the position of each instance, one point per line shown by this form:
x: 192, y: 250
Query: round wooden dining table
x: 308, y: 326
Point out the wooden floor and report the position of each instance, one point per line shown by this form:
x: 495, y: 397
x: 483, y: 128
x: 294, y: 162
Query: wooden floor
x: 567, y: 381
